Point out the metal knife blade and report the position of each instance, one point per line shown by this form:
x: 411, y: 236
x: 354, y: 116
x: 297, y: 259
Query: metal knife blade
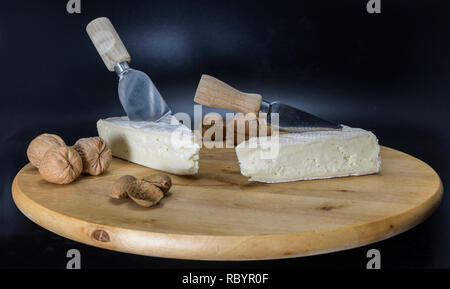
x: 292, y: 119
x: 139, y: 96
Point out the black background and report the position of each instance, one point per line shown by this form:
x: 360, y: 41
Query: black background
x: 386, y: 72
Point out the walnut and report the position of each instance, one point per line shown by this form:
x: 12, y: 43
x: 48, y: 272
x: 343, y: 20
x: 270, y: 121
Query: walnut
x: 162, y: 181
x: 95, y: 154
x: 122, y: 186
x: 61, y: 165
x: 40, y: 145
x: 145, y: 194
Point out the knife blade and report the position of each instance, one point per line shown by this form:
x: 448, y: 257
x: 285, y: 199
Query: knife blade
x: 215, y: 93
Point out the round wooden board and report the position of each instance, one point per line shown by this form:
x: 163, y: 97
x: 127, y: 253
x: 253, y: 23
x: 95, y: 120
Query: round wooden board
x: 219, y: 215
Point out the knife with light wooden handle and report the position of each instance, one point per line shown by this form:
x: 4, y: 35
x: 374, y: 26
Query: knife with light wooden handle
x: 215, y: 93
x: 140, y: 98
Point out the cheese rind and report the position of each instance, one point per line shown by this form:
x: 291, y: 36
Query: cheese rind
x: 310, y: 155
x: 166, y: 145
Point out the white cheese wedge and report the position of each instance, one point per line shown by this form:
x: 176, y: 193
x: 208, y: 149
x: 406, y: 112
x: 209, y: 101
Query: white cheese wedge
x: 166, y: 145
x: 310, y: 155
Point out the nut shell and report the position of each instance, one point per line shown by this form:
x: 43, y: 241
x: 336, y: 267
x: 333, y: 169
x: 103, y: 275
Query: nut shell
x: 122, y: 186
x: 40, y: 145
x: 95, y: 155
x: 162, y: 181
x: 145, y: 194
x: 61, y: 165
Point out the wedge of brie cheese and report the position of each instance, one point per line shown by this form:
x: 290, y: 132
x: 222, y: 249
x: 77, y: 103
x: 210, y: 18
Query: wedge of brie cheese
x: 310, y: 155
x: 166, y: 145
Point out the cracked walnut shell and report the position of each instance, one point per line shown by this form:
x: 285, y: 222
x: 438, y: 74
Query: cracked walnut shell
x: 40, y: 145
x: 145, y: 194
x: 162, y: 181
x: 95, y: 154
x: 61, y: 165
x: 122, y: 186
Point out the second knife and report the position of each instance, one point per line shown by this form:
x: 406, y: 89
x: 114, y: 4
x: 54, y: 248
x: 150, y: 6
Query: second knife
x: 215, y: 93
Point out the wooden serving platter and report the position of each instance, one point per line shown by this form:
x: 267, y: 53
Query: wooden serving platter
x: 219, y: 215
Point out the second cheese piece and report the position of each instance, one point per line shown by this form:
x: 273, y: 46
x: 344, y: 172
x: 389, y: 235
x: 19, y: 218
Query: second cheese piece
x: 310, y: 155
x: 166, y: 145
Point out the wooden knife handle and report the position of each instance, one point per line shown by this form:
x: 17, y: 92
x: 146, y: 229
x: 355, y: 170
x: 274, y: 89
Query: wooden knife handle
x: 215, y: 93
x: 107, y: 42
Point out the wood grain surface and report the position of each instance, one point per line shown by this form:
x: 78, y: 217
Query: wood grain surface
x: 219, y: 215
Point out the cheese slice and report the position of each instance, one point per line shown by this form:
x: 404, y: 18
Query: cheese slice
x: 166, y: 145
x: 310, y: 155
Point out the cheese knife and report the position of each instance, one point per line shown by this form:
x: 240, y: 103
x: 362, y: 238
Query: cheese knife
x: 137, y: 93
x: 215, y: 93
